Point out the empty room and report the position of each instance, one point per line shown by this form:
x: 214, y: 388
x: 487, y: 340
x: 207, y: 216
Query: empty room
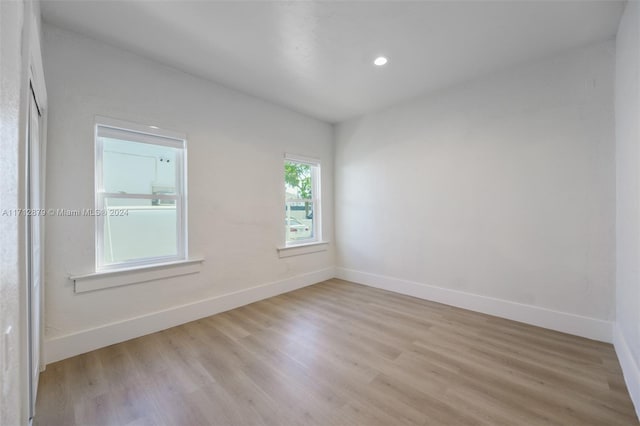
x: 368, y: 213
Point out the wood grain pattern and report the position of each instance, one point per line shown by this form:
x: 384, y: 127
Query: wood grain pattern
x: 338, y: 353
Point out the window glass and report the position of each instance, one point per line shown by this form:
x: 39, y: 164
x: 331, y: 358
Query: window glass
x: 138, y: 168
x: 139, y: 197
x: 301, y: 184
x: 137, y: 229
x: 299, y: 220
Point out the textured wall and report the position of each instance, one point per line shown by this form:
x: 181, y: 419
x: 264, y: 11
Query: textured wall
x: 628, y: 192
x: 236, y: 145
x: 501, y: 187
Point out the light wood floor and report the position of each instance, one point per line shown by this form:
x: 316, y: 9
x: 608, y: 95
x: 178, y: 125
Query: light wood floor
x: 338, y: 353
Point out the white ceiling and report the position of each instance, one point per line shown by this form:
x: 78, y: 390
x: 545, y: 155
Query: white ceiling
x: 316, y: 57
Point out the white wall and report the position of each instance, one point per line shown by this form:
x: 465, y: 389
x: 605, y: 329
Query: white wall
x: 627, y: 108
x: 11, y: 14
x: 236, y: 146
x: 19, y: 41
x: 502, y: 188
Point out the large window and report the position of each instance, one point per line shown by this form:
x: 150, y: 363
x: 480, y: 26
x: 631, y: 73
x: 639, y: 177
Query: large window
x: 302, y: 200
x: 140, y: 195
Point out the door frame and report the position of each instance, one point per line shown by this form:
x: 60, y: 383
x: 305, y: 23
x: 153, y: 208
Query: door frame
x: 34, y: 200
x: 34, y: 86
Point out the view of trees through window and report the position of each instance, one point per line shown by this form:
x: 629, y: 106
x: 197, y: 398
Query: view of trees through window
x: 299, y: 201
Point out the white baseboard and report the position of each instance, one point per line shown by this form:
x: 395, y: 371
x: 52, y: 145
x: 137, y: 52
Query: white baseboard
x: 630, y: 366
x: 69, y: 345
x: 76, y: 343
x: 590, y: 328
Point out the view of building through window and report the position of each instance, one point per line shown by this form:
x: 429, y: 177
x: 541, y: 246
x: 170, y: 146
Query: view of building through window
x: 140, y: 193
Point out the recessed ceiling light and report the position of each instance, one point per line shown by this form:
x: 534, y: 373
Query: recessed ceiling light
x: 380, y: 61
x: 154, y: 127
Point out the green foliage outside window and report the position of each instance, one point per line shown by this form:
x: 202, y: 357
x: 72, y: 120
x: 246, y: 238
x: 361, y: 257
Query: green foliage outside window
x: 297, y: 177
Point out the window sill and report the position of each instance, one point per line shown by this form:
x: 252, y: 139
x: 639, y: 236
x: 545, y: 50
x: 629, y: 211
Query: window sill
x: 305, y: 248
x: 120, y: 277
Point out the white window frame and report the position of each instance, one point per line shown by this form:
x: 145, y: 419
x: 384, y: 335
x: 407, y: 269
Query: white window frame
x: 316, y: 196
x: 108, y: 127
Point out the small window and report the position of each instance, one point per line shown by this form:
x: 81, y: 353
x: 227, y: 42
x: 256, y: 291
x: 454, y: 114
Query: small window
x: 140, y: 195
x: 302, y: 200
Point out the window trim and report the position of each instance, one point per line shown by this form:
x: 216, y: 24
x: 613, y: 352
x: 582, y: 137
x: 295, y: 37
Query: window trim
x: 109, y: 127
x: 316, y: 199
x: 304, y: 248
x: 120, y: 277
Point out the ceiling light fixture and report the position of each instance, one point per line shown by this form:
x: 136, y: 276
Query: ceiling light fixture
x: 380, y: 61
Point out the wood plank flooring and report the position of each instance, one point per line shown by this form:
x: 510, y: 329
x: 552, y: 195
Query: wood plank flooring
x: 338, y: 353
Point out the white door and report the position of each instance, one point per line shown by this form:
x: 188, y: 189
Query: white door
x: 34, y: 254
